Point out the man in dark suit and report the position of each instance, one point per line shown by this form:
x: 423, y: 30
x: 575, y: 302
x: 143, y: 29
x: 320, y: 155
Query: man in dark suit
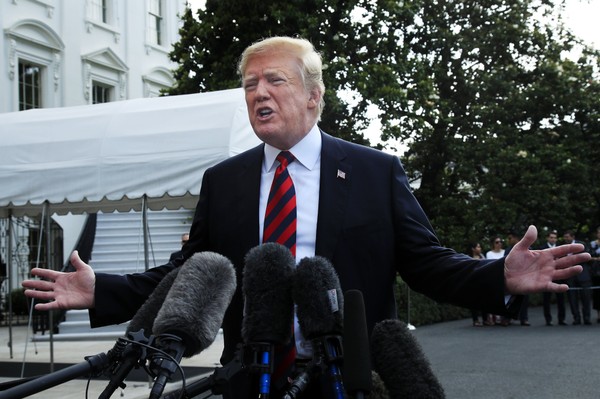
x: 354, y: 207
x: 580, y: 284
x: 551, y: 240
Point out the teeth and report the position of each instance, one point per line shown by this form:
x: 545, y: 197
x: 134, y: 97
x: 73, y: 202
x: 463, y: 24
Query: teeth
x: 264, y: 112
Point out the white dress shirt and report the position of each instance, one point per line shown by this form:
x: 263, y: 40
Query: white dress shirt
x: 305, y: 172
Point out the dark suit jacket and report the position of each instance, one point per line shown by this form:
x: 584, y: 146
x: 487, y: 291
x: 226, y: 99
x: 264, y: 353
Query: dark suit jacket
x: 370, y: 227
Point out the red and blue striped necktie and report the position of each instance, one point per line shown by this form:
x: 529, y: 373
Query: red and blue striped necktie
x: 280, y: 217
x: 280, y: 227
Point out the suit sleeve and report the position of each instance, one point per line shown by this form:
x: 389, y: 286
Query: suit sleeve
x: 118, y: 297
x: 438, y: 272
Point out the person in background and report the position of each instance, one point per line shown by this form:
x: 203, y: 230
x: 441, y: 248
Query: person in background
x: 513, y: 238
x: 185, y: 237
x: 474, y: 251
x: 355, y: 207
x: 595, y: 272
x: 551, y: 240
x: 579, y: 287
x: 497, y: 252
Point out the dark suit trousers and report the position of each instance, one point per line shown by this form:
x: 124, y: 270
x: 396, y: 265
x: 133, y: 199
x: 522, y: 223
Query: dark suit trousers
x: 560, y: 304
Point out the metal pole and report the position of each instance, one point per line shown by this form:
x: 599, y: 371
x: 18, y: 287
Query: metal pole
x: 49, y: 265
x: 9, y: 275
x: 410, y: 326
x: 145, y: 227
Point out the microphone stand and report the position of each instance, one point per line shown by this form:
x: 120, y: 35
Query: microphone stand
x: 93, y: 366
x: 217, y: 382
x: 328, y: 350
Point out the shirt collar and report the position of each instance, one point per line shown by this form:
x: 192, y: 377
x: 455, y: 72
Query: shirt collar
x: 306, y: 152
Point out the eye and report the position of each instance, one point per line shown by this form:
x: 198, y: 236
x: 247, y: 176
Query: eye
x: 277, y: 80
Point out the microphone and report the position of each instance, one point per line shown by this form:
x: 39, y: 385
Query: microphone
x: 379, y: 391
x: 125, y: 356
x: 268, y: 305
x: 319, y: 307
x: 401, y: 363
x: 191, y: 315
x: 146, y: 314
x: 357, y: 357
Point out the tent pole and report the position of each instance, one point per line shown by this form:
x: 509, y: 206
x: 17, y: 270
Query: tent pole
x: 145, y: 228
x: 9, y: 275
x: 50, y: 267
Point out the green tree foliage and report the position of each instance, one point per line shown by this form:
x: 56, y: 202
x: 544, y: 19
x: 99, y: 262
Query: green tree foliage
x: 502, y: 128
x: 210, y: 46
x: 503, y: 125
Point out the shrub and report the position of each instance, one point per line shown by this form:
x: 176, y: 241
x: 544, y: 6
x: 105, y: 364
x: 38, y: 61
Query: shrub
x: 424, y: 310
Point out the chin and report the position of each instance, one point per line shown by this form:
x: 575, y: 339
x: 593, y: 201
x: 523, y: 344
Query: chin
x: 267, y: 135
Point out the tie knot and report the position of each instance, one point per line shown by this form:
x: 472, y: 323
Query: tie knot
x: 285, y: 158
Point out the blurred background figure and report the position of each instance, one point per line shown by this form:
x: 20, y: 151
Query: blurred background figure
x: 496, y: 252
x: 514, y: 237
x: 595, y: 272
x: 551, y: 239
x: 579, y: 288
x: 474, y: 251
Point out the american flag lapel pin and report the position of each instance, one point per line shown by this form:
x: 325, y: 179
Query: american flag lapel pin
x: 341, y: 175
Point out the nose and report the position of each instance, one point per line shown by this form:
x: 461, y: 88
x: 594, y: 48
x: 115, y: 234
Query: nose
x: 261, y: 92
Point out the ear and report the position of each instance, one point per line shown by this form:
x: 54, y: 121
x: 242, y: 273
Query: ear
x: 314, y: 98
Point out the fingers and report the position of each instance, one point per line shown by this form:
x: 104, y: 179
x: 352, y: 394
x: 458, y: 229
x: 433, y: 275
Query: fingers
x: 565, y: 274
x: 557, y: 288
x: 79, y: 264
x: 571, y: 260
x: 42, y: 295
x: 38, y: 285
x: 76, y: 260
x: 571, y: 249
x: 528, y: 239
x: 43, y: 273
x: 47, y: 306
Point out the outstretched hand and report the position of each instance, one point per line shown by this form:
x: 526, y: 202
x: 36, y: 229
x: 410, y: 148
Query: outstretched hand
x: 73, y: 290
x: 528, y: 271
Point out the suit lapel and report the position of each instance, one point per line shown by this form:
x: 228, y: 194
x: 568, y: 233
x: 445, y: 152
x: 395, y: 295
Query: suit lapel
x: 247, y: 198
x: 336, y: 178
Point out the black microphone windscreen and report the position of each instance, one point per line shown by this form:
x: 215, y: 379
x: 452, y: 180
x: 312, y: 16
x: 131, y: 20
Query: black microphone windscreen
x: 357, y: 356
x: 379, y: 390
x: 318, y: 298
x: 195, y: 306
x: 145, y: 316
x: 267, y: 286
x: 401, y: 363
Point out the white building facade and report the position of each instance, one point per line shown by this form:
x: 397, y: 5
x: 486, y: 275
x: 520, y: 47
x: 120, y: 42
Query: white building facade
x: 63, y: 53
x: 58, y: 53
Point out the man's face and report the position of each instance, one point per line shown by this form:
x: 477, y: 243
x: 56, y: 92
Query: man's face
x: 552, y: 238
x: 568, y: 238
x: 281, y: 110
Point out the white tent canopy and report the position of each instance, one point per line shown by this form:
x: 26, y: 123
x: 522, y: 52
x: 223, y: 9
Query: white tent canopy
x: 108, y: 157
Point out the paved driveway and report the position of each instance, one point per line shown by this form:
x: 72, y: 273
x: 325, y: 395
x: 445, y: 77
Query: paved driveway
x: 514, y: 362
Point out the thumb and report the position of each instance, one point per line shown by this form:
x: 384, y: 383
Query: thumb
x: 76, y: 261
x: 528, y: 239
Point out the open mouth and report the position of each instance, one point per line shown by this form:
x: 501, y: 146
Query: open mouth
x: 264, y: 112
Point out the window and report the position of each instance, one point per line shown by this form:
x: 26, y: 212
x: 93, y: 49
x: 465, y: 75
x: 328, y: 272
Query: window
x: 156, y: 80
x: 98, y: 11
x: 155, y: 21
x: 100, y: 93
x: 30, y: 86
x: 104, y: 77
x: 34, y: 65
